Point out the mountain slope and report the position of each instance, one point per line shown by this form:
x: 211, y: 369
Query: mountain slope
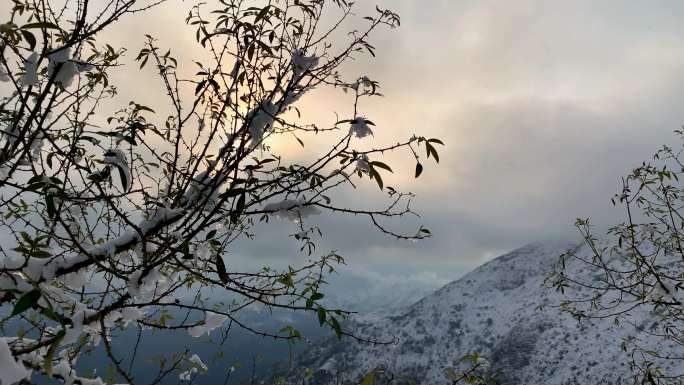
x: 493, y: 311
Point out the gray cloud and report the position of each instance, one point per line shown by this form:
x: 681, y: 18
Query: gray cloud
x: 544, y: 105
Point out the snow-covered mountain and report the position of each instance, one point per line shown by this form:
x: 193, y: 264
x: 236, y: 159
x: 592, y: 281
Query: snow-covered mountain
x: 493, y: 311
x: 370, y: 298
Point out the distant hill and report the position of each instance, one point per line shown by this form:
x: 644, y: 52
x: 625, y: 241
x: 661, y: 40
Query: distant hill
x: 493, y: 311
x: 370, y: 299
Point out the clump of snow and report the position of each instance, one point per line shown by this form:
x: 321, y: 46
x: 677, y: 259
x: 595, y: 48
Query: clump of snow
x: 91, y: 381
x: 37, y: 144
x: 261, y: 119
x: 197, y: 365
x: 11, y: 370
x: 39, y: 268
x: 30, y: 77
x: 36, y: 147
x: 64, y: 370
x: 130, y: 314
x: 76, y: 280
x: 365, y: 81
x: 187, y: 375
x: 14, y: 282
x: 211, y: 322
x: 4, y: 76
x: 11, y: 262
x: 663, y: 291
x: 79, y: 326
x: 197, y: 361
x: 362, y: 81
x: 159, y: 215
x: 4, y: 172
x: 204, y: 188
x: 203, y: 251
x: 362, y: 164
x: 292, y: 210
x: 68, y: 69
x: 116, y: 157
x: 359, y: 127
x: 153, y: 284
x: 291, y: 97
x: 141, y: 250
x: 483, y: 365
x: 302, y: 63
x: 93, y: 329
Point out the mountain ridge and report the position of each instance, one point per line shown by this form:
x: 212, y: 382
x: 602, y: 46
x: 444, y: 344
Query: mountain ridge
x: 493, y: 310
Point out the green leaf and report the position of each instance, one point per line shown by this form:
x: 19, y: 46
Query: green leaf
x: 250, y: 51
x: 50, y: 204
x: 286, y: 279
x: 233, y: 192
x: 210, y: 235
x: 239, y: 208
x: 375, y: 175
x: 26, y: 301
x: 30, y: 39
x: 40, y: 253
x: 215, y: 85
x: 47, y: 363
x: 199, y: 87
x: 185, y: 249
x: 368, y: 379
x: 41, y: 25
x: 431, y: 151
x: 27, y: 238
x: 320, y: 312
x: 419, y: 169
x: 125, y: 183
x: 317, y: 296
x: 336, y: 327
x: 221, y: 269
x: 100, y: 176
x: 51, y: 314
x: 144, y: 61
x: 383, y: 166
x: 261, y: 14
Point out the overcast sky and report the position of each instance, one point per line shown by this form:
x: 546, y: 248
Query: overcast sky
x: 543, y: 105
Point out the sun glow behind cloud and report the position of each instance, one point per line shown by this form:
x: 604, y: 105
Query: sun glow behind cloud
x: 543, y: 105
